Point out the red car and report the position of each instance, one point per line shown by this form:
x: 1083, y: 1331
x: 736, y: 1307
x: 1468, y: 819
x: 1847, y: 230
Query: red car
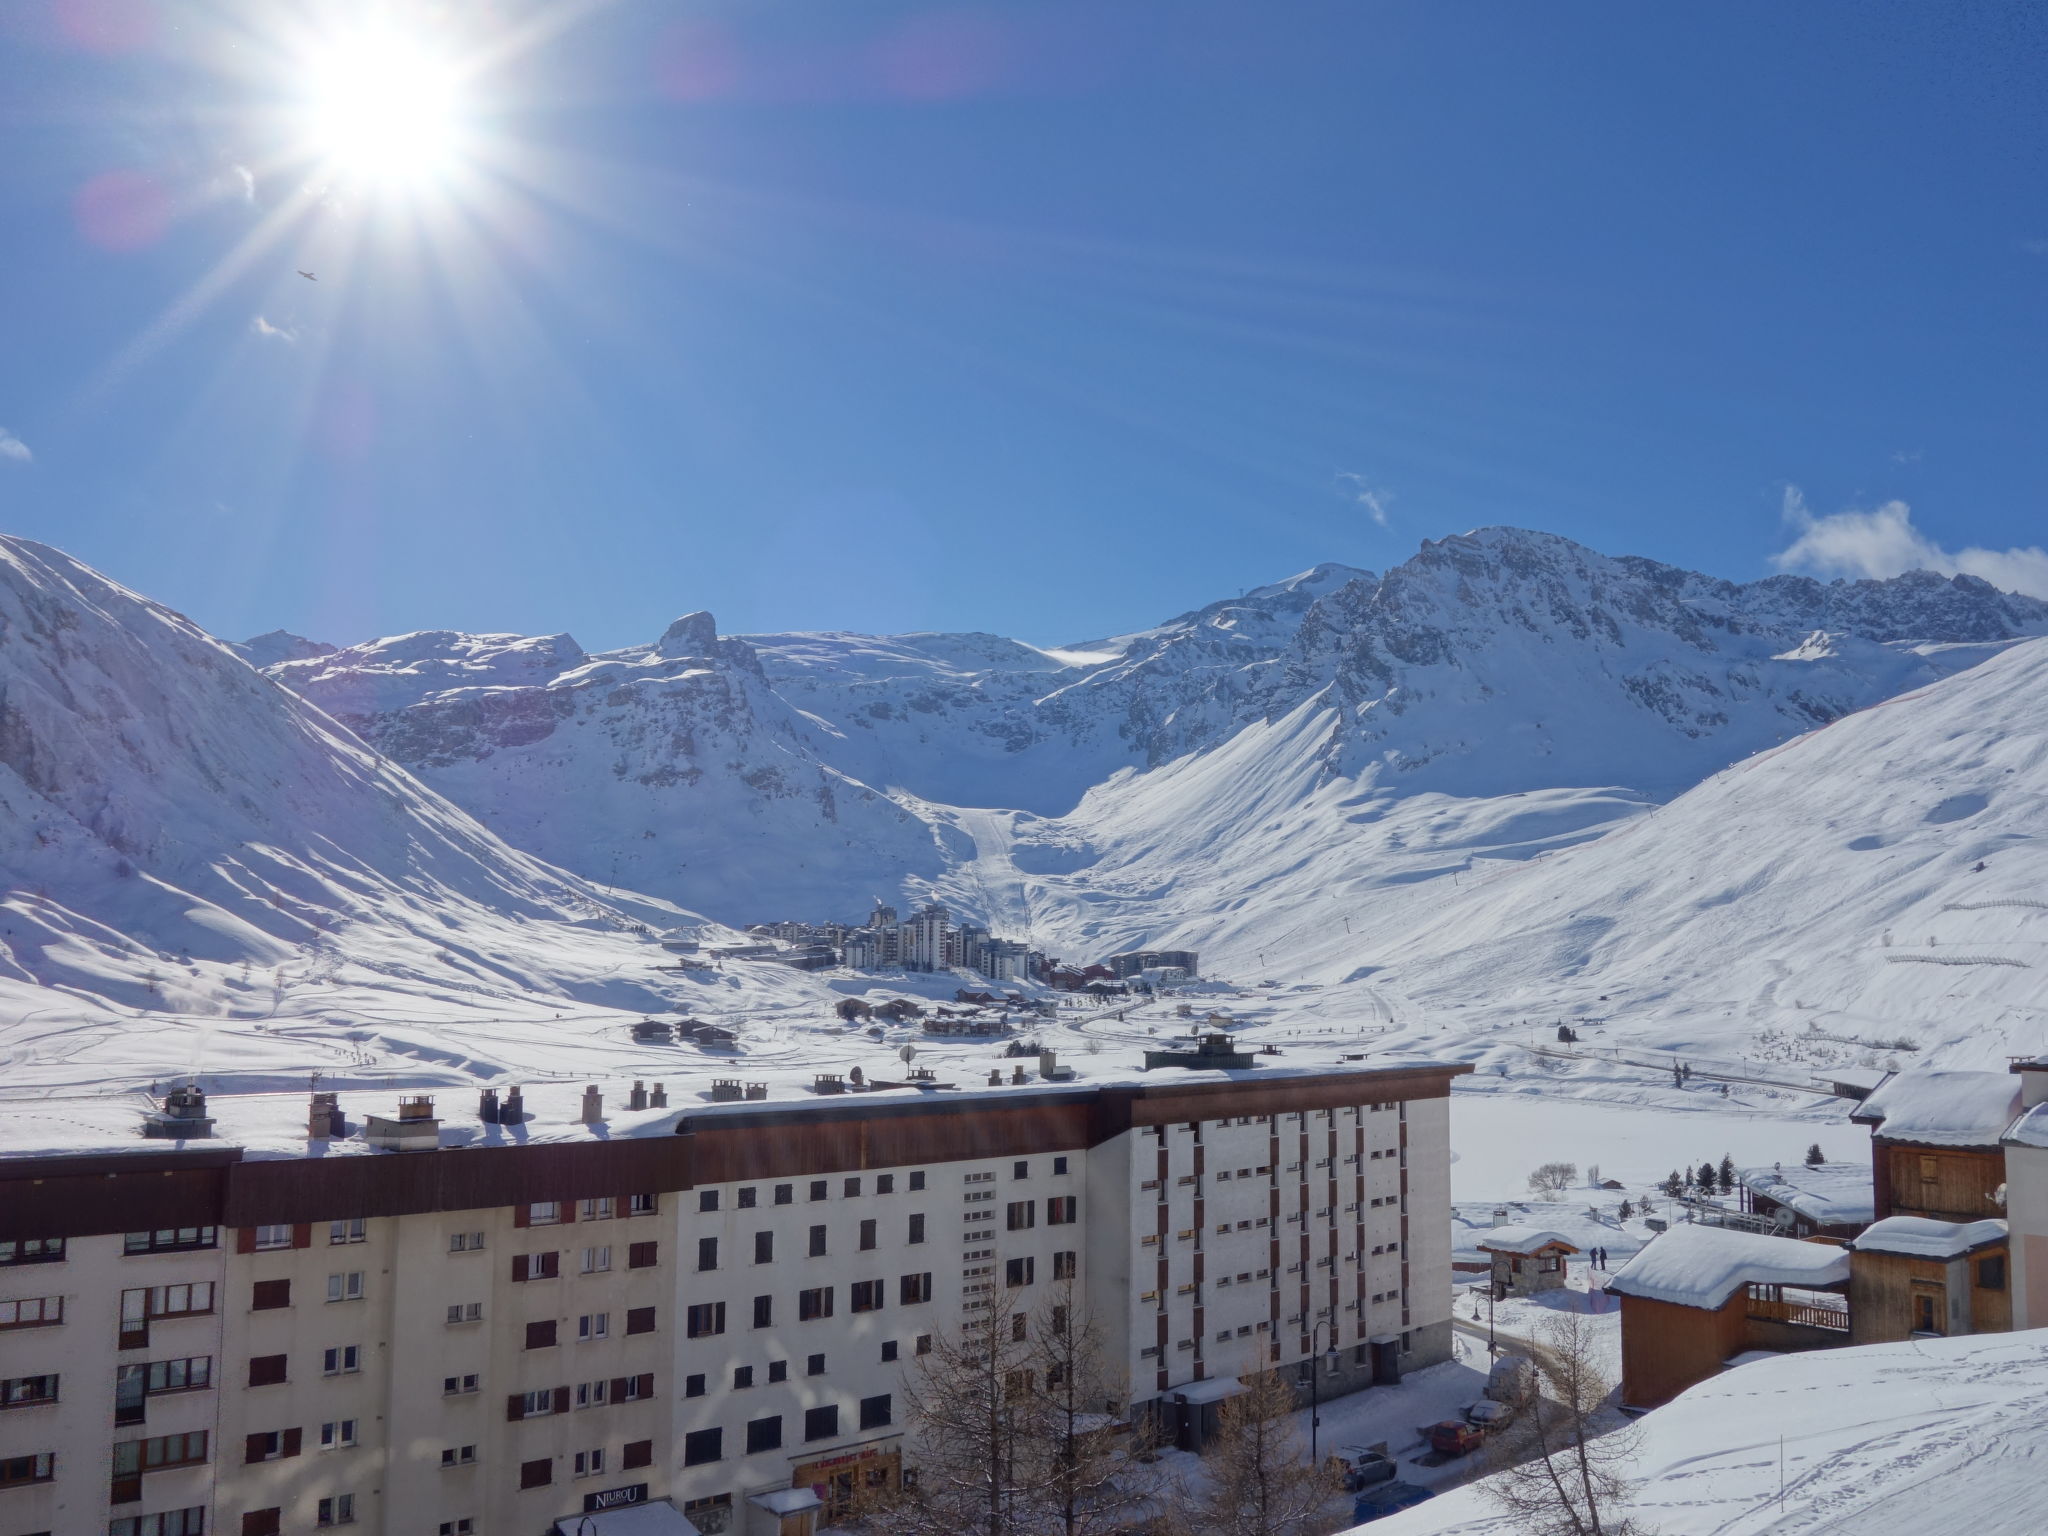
x: 1454, y: 1437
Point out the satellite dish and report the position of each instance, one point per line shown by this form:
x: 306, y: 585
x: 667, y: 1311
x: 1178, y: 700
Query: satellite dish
x: 907, y: 1054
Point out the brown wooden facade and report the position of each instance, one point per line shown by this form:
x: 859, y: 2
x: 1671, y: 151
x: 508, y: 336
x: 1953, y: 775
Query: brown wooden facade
x: 149, y: 1187
x: 1667, y: 1347
x: 1944, y: 1183
x: 1894, y: 1296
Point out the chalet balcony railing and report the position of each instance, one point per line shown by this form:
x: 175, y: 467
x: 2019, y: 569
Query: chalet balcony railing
x: 1804, y: 1314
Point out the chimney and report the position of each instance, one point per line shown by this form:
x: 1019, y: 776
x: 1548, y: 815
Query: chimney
x: 183, y: 1116
x: 659, y: 1098
x: 487, y: 1106
x: 593, y: 1105
x: 415, y: 1129
x: 513, y: 1111
x: 1500, y: 1216
x: 323, y: 1117
x: 995, y: 1077
x: 637, y: 1099
x: 419, y: 1107
x: 1017, y: 1074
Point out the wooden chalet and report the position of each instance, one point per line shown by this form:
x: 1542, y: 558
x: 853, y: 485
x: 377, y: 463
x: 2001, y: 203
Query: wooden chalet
x: 1915, y: 1278
x: 1525, y: 1260
x: 1935, y: 1144
x: 1697, y: 1296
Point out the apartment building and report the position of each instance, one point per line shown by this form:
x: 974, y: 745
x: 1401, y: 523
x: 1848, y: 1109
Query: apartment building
x: 703, y: 1315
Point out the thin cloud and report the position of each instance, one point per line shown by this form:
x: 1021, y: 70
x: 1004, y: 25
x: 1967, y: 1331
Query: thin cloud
x: 1883, y: 542
x: 263, y: 327
x: 1374, y: 499
x: 12, y: 447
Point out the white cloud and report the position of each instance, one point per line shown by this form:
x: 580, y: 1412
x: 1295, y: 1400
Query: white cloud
x: 1883, y: 542
x: 263, y: 327
x: 12, y: 447
x: 1374, y: 500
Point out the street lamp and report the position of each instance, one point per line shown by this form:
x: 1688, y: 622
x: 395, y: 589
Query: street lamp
x: 1315, y: 1383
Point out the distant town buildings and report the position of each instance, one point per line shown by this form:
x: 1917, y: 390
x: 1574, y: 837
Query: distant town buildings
x: 929, y: 940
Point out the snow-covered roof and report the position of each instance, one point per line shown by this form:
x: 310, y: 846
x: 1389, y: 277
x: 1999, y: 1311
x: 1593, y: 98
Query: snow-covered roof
x: 785, y: 1501
x: 1211, y: 1389
x: 1524, y: 1240
x: 1922, y: 1238
x: 656, y: 1518
x: 1827, y: 1194
x: 1701, y: 1266
x: 2031, y: 1129
x: 1944, y: 1109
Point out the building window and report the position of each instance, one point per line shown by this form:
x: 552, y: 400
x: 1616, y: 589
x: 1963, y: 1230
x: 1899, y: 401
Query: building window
x: 27, y: 1391
x: 33, y: 1250
x: 32, y: 1312
x: 590, y: 1463
x: 458, y: 1386
x: 271, y: 1237
x: 600, y: 1208
x: 345, y: 1287
x: 778, y: 1370
x: 340, y: 1509
x: 341, y: 1361
x: 817, y: 1242
x: 814, y: 1303
x: 1020, y: 1271
x: 874, y: 1411
x: 642, y: 1205
x: 465, y: 1312
x: 819, y: 1188
x: 597, y: 1260
x: 707, y: 1253
x: 821, y: 1423
x: 171, y: 1240
x: 917, y: 1179
x: 705, y: 1318
x: 537, y: 1266
x: 707, y: 1199
x: 1062, y: 1210
x: 641, y: 1319
x: 544, y: 1213
x: 537, y: 1404
x: 701, y: 1446
x: 1020, y: 1170
x: 636, y: 1453
x: 764, y: 1247
x: 693, y: 1384
x: 764, y: 1311
x: 1059, y: 1165
x: 912, y: 1289
x: 458, y: 1456
x: 866, y: 1296
x: 270, y: 1445
x: 924, y: 1343
x: 465, y: 1242
x: 784, y: 1193
x: 888, y: 1350
x: 538, y: 1473
x: 338, y: 1435
x: 643, y: 1255
x: 814, y: 1365
x: 1023, y: 1215
x: 592, y: 1394
x: 742, y: 1377
x: 885, y: 1183
x: 461, y: 1526
x: 764, y: 1434
x: 592, y: 1326
x: 916, y: 1226
x: 172, y: 1522
x: 1991, y: 1273
x: 354, y: 1230
x: 747, y: 1197
x: 266, y: 1370
x: 1065, y: 1265
x: 541, y: 1335
x: 867, y: 1234
x: 852, y: 1188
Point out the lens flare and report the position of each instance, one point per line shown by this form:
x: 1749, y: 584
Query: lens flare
x: 382, y: 107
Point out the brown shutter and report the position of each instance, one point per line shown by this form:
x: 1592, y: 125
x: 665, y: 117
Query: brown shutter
x: 255, y: 1447
x: 561, y: 1399
x: 540, y: 1335
x: 245, y: 1239
x: 550, y: 1266
x: 568, y: 1212
x: 638, y: 1453
x: 537, y: 1474
x: 521, y: 1215
x: 515, y: 1407
x: 642, y: 1255
x: 291, y: 1441
x: 265, y: 1295
x: 640, y: 1320
x: 302, y: 1235
x: 646, y: 1380
x: 618, y: 1389
x: 520, y: 1264
x: 261, y: 1522
x: 266, y: 1370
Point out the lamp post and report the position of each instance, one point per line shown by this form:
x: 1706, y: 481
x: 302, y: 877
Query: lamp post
x: 1315, y: 1384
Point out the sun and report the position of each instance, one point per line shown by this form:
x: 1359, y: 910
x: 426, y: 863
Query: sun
x: 383, y: 108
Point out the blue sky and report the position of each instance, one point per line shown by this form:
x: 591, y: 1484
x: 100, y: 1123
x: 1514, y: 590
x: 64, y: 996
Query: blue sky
x: 1045, y: 318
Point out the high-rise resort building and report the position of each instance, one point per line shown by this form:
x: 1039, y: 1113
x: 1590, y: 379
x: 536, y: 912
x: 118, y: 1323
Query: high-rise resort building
x: 592, y: 1308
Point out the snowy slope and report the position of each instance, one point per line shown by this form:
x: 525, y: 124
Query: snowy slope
x: 1838, y: 1442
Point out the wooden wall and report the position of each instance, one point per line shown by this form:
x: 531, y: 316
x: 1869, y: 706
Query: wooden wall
x: 1946, y: 1183
x: 1666, y: 1348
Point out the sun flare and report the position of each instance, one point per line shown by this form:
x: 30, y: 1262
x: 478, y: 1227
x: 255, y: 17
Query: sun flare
x: 381, y: 107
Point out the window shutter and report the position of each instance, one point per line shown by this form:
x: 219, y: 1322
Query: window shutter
x: 641, y: 1320
x: 642, y: 1255
x: 261, y: 1522
x: 515, y: 1407
x: 568, y: 1210
x: 302, y: 1234
x: 267, y: 1294
x: 245, y: 1239
x: 519, y: 1262
x: 291, y: 1441
x: 537, y: 1474
x: 646, y: 1380
x: 638, y: 1453
x: 521, y: 1215
x: 266, y: 1370
x: 561, y: 1399
x: 255, y: 1446
x: 618, y: 1389
x: 540, y: 1335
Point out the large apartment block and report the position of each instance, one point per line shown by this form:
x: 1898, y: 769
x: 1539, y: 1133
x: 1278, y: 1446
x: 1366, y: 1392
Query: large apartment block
x: 710, y: 1311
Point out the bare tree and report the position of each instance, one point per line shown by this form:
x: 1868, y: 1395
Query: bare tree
x: 1562, y: 1472
x: 1088, y: 1482
x: 1259, y: 1481
x: 1553, y: 1178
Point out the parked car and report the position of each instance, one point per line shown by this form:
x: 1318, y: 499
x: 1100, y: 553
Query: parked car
x: 1512, y: 1379
x: 1365, y: 1467
x: 1387, y: 1499
x: 1454, y: 1437
x: 1487, y: 1415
